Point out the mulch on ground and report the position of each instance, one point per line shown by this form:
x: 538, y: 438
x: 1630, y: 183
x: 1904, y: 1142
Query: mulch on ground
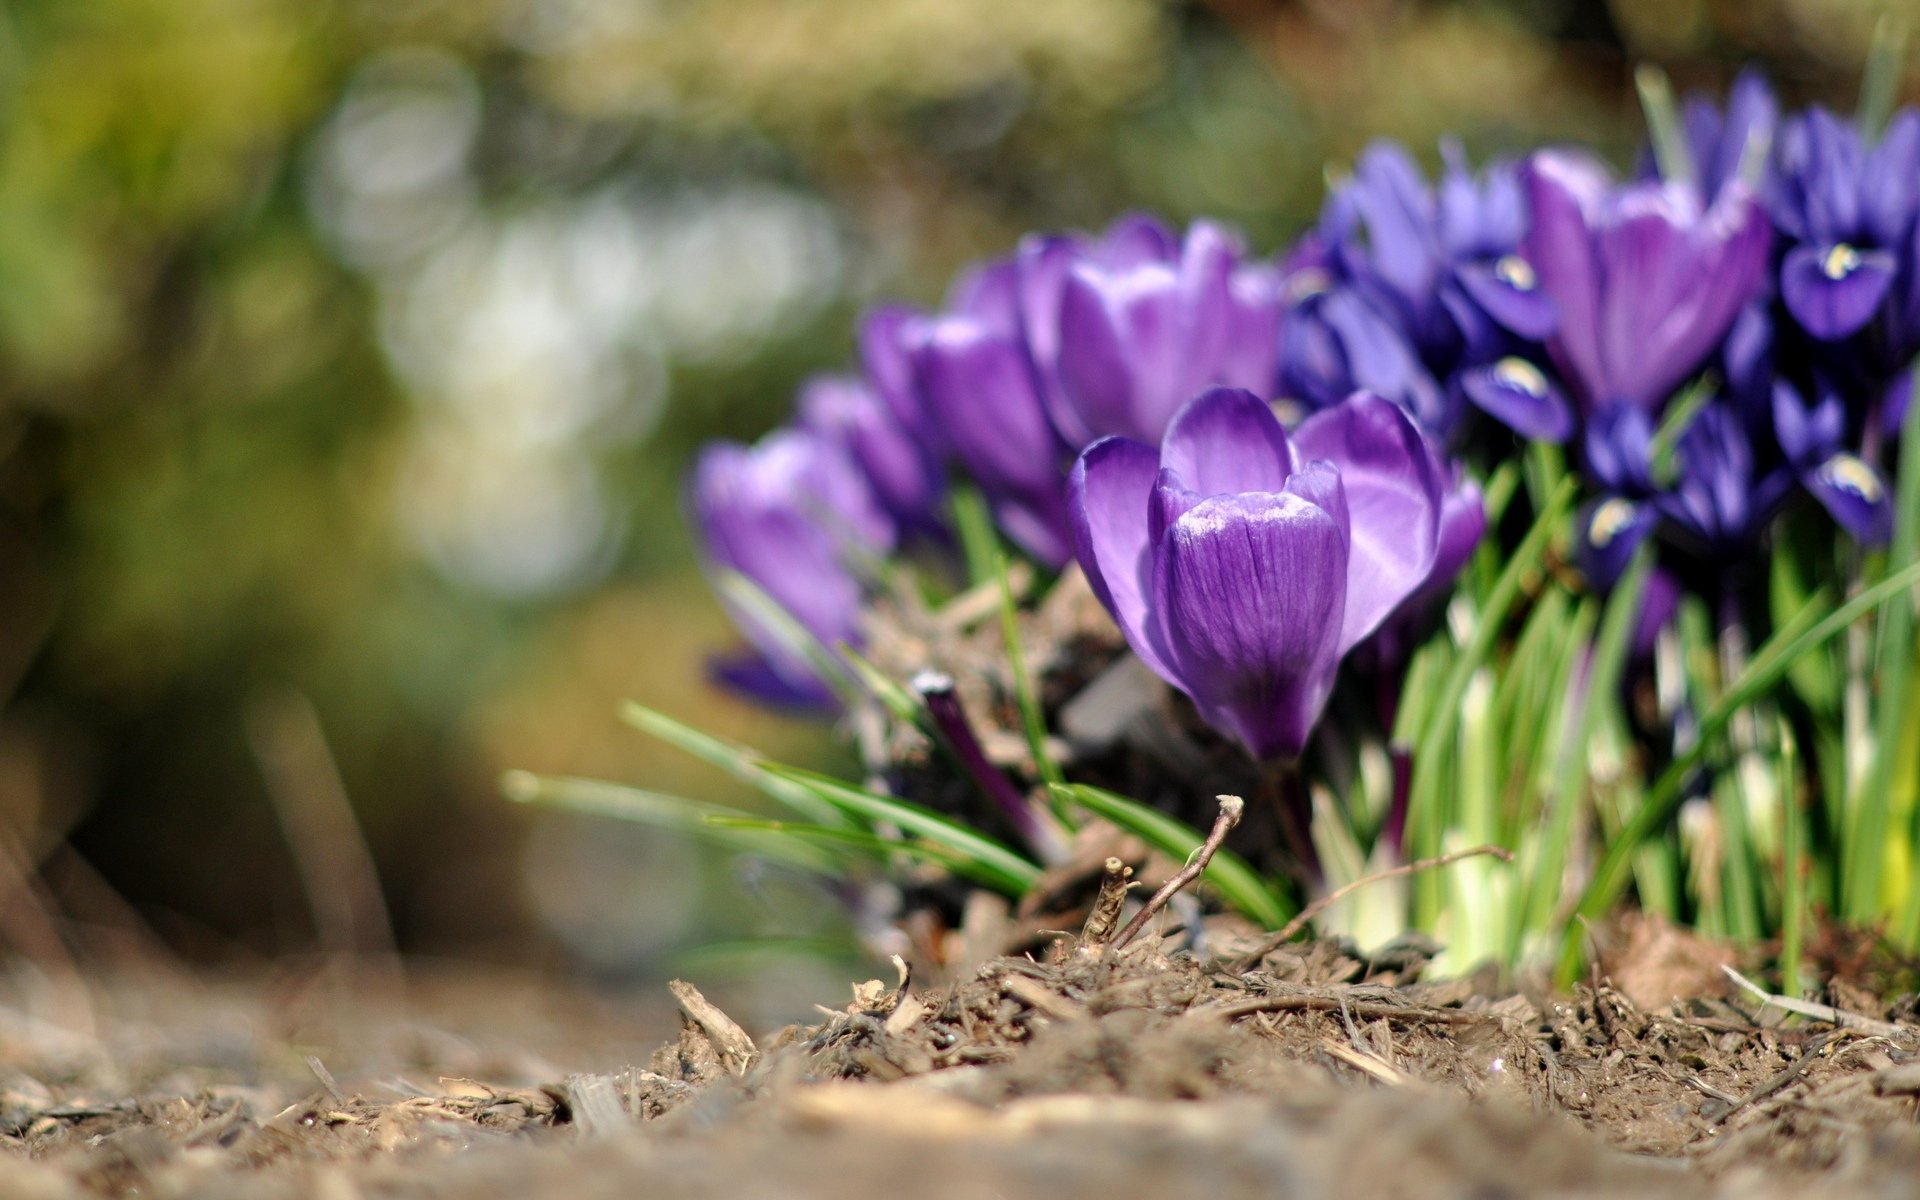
x: 1313, y: 1071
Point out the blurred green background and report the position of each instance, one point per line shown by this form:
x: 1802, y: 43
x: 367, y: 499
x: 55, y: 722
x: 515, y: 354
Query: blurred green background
x: 350, y: 354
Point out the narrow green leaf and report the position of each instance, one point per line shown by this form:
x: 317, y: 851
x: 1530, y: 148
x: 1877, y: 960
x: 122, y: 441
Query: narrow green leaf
x: 870, y: 844
x: 1237, y: 882
x: 1664, y: 127
x: 979, y: 543
x: 1679, y: 415
x: 1807, y: 631
x: 1031, y: 716
x: 738, y: 761
x: 976, y: 856
x: 1423, y: 826
x: 1893, y: 672
x: 750, y: 598
x: 597, y: 798
x: 1603, y: 683
x: 1880, y: 81
x: 904, y: 706
x: 1794, y: 864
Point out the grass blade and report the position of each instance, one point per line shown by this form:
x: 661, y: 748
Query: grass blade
x: 1865, y: 854
x: 738, y: 761
x: 750, y: 599
x: 869, y: 844
x: 1237, y: 882
x: 1806, y: 632
x: 1423, y: 827
x: 1031, y: 716
x: 976, y: 856
x: 661, y: 810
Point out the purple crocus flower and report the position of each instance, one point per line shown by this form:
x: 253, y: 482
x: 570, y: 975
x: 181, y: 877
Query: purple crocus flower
x: 1647, y: 280
x: 982, y: 392
x: 900, y: 471
x: 794, y: 515
x: 1848, y: 212
x: 1126, y: 327
x: 1242, y: 564
x: 1448, y: 256
x: 1445, y: 263
x: 1733, y: 144
x: 1336, y: 340
x: 1846, y: 485
x: 962, y: 383
x: 1721, y: 500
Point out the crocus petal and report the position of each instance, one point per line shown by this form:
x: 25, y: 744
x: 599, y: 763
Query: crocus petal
x: 1611, y: 529
x: 1393, y: 200
x: 1107, y: 498
x: 1853, y: 492
x: 1393, y: 491
x: 1520, y: 396
x: 886, y: 339
x: 1228, y: 440
x: 1508, y: 290
x: 902, y: 475
x: 1253, y: 587
x: 1560, y: 189
x: 1095, y: 367
x: 758, y: 678
x: 980, y: 386
x: 1834, y: 290
x: 1251, y: 357
x: 1463, y: 522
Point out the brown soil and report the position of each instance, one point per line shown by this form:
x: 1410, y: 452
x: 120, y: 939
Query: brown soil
x: 1314, y: 1073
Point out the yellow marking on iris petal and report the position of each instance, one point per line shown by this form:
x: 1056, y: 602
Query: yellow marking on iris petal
x: 1521, y: 375
x: 1848, y: 473
x: 1840, y: 262
x: 1516, y: 272
x: 1608, y: 520
x: 1307, y: 283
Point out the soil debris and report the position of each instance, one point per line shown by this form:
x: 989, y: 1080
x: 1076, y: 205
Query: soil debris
x: 1096, y: 1071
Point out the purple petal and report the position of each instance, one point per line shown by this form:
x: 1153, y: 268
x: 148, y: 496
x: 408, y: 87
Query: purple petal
x: 778, y: 686
x: 1520, y: 396
x: 1463, y: 522
x: 1253, y: 587
x: 1251, y: 357
x: 1560, y: 190
x: 1108, y: 496
x: 1611, y: 529
x: 1393, y: 200
x: 1137, y: 238
x: 898, y: 468
x: 1228, y: 440
x: 980, y: 386
x: 1834, y: 290
x: 886, y: 339
x: 1096, y: 369
x: 1508, y: 290
x: 1393, y: 491
x: 1856, y: 496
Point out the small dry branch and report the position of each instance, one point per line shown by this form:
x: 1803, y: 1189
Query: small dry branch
x: 1116, y: 879
x: 736, y: 1049
x: 1307, y: 914
x: 1231, y: 807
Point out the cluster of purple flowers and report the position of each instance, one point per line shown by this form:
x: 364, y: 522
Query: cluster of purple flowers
x: 1119, y: 399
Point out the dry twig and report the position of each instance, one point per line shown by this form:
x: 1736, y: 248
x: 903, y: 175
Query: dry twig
x: 735, y: 1047
x: 1115, y: 881
x: 1231, y: 807
x: 1818, y: 1012
x: 1307, y: 914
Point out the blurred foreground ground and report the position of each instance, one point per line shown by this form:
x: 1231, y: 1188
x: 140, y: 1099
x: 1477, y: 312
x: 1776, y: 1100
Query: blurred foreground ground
x: 1312, y: 1075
